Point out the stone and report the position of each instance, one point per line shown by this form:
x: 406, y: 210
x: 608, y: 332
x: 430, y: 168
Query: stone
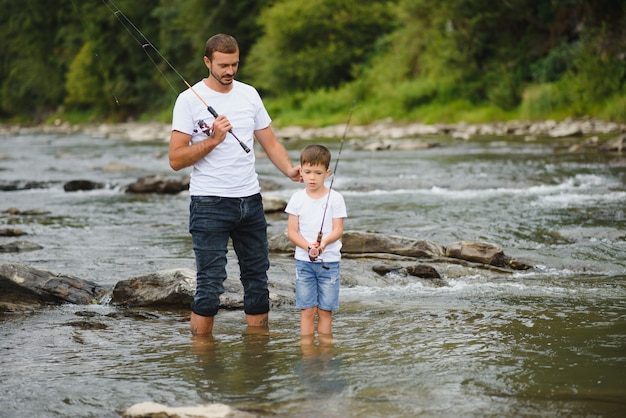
x: 369, y: 242
x: 23, y: 284
x: 617, y: 144
x: 273, y: 204
x: 478, y: 252
x: 175, y: 288
x: 11, y: 232
x: 76, y: 185
x: 158, y: 184
x: 19, y: 246
x: 164, y: 288
x: 155, y: 410
x: 423, y: 271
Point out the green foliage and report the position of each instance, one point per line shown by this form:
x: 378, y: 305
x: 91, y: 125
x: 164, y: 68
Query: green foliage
x: 83, y: 87
x: 596, y: 74
x: 315, y: 44
x: 541, y: 101
x: 555, y: 64
x: 433, y: 61
x: 614, y: 108
x: 32, y: 70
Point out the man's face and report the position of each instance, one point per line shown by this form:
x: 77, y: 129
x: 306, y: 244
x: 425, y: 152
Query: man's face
x: 223, y: 67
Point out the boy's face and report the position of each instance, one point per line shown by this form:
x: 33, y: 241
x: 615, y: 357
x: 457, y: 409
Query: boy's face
x: 313, y: 175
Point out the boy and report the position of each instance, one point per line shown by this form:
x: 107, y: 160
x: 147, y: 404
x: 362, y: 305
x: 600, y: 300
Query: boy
x: 315, y: 227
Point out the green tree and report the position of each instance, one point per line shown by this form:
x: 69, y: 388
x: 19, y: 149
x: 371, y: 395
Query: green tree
x: 491, y: 49
x: 33, y: 57
x: 316, y: 44
x: 400, y: 55
x: 200, y: 19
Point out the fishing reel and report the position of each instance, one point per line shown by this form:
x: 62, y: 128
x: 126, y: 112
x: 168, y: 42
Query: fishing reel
x: 314, y: 252
x: 205, y: 128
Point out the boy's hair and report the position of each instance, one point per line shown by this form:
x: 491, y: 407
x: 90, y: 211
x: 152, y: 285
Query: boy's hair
x: 315, y: 155
x: 221, y: 42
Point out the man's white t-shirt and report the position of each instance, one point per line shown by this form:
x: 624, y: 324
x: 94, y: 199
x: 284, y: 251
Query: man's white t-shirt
x: 227, y: 171
x: 309, y: 212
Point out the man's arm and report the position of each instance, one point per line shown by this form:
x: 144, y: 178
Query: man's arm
x: 183, y: 155
x: 277, y: 153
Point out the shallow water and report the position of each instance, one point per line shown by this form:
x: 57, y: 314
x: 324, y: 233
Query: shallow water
x: 550, y: 341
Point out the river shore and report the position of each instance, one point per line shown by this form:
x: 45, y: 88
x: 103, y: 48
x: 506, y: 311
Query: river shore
x: 381, y: 130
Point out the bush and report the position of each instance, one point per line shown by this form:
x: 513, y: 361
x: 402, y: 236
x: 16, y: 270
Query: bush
x: 540, y: 101
x: 315, y: 44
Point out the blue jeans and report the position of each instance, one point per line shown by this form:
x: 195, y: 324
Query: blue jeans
x: 317, y: 284
x: 212, y: 221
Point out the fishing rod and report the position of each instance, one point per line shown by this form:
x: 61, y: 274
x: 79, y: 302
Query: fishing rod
x: 145, y: 43
x: 314, y: 251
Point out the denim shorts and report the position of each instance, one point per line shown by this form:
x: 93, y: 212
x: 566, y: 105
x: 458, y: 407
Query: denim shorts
x: 213, y: 221
x: 317, y: 284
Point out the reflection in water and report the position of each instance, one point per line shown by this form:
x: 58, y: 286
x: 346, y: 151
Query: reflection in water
x: 233, y: 370
x: 256, y: 361
x: 319, y: 370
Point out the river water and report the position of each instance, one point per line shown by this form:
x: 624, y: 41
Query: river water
x: 550, y: 341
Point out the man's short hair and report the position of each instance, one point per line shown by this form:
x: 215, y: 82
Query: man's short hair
x: 221, y: 42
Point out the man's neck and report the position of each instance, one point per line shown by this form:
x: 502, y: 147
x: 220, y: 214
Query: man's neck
x: 215, y: 85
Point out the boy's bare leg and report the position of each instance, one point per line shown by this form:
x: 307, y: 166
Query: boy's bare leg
x: 326, y: 343
x: 307, y: 321
x: 324, y: 321
x: 307, y: 343
x: 261, y: 320
x: 201, y: 325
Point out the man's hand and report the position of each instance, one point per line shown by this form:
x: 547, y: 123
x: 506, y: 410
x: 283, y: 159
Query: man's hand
x: 295, y: 175
x: 221, y: 126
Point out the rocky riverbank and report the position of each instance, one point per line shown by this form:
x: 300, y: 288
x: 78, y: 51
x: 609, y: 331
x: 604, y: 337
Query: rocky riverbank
x: 381, y: 130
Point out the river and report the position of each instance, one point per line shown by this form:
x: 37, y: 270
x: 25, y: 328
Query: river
x: 550, y: 341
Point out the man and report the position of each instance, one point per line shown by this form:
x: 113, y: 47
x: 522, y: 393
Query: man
x: 225, y: 191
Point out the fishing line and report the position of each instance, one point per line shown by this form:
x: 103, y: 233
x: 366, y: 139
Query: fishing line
x: 145, y: 44
x: 314, y: 251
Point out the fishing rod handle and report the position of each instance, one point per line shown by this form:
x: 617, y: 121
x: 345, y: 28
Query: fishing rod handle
x: 212, y: 111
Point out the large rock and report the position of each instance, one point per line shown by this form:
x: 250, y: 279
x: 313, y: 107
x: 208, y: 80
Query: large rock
x: 19, y: 246
x: 155, y: 410
x: 617, y: 144
x: 272, y: 204
x: 175, y: 288
x: 77, y: 185
x: 566, y: 129
x: 11, y: 232
x: 164, y: 288
x: 484, y: 253
x: 158, y: 184
x: 368, y: 243
x: 26, y: 285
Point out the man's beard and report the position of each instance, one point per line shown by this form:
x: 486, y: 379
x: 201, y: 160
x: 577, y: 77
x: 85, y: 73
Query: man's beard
x: 221, y: 80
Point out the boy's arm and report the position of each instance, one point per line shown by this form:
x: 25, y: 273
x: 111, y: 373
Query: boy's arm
x: 293, y: 233
x: 334, y: 235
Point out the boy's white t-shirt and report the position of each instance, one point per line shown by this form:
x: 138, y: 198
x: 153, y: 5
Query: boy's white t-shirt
x: 309, y: 212
x: 227, y: 171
